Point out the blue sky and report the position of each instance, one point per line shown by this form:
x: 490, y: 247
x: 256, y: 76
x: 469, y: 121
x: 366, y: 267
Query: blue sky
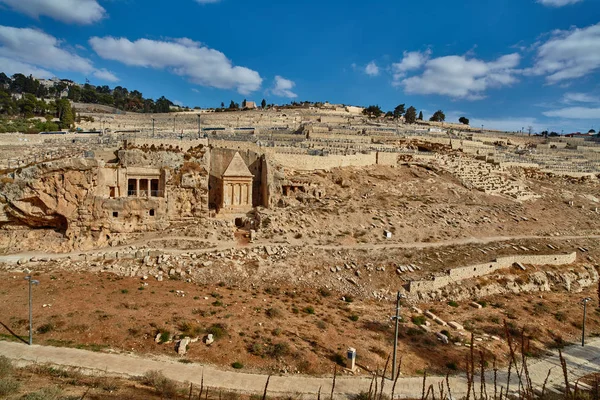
x: 505, y: 64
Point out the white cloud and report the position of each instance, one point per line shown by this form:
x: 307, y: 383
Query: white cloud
x: 105, y: 75
x: 412, y: 60
x: 372, y: 69
x: 195, y: 90
x: 38, y: 48
x: 11, y: 67
x: 580, y: 98
x: 575, y: 113
x: 70, y: 11
x: 558, y: 3
x: 26, y: 50
x: 568, y: 54
x: 283, y: 88
x: 184, y: 57
x: 460, y: 77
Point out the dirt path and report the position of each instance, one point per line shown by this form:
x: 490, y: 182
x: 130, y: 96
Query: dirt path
x: 580, y: 361
x: 220, y: 246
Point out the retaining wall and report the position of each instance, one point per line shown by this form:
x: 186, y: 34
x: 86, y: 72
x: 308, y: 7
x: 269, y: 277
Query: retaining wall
x: 473, y: 271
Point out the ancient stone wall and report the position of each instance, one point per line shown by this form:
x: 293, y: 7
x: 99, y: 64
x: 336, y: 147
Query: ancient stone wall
x: 474, y: 271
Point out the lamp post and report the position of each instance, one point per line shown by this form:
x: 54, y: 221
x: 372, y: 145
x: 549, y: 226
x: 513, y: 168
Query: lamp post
x: 584, y: 301
x: 399, y: 297
x: 174, y: 123
x: 31, y: 282
x: 153, y: 127
x: 481, y: 128
x: 199, y: 130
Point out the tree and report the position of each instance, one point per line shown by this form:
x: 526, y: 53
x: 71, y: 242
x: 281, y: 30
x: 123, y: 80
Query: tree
x: 411, y: 115
x: 232, y: 105
x: 263, y: 103
x: 373, y: 111
x: 4, y: 80
x: 420, y: 118
x: 592, y: 131
x: 438, y: 116
x: 464, y: 120
x: 399, y: 111
x: 222, y: 105
x: 389, y: 114
x: 163, y: 105
x: 244, y: 103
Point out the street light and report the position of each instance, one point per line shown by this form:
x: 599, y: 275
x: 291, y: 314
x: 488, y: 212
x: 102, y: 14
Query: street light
x: 153, y: 127
x: 584, y: 301
x: 399, y: 297
x: 31, y: 282
x: 199, y: 131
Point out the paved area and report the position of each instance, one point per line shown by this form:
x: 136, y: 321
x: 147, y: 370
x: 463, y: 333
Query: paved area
x: 580, y: 361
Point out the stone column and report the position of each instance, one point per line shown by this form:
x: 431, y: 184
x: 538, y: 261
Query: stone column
x: 148, y: 187
x: 248, y: 192
x: 137, y: 188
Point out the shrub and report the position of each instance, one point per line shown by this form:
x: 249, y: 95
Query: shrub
x: 46, y: 328
x: 189, y: 329
x: 325, y: 292
x: 452, y: 303
x: 237, y: 365
x: 217, y: 330
x: 163, y: 385
x: 8, y: 386
x: 452, y: 366
x: 309, y: 310
x: 321, y: 324
x: 348, y: 298
x: 274, y: 312
x: 165, y: 336
x: 418, y: 319
x: 560, y: 316
x: 6, y: 367
x: 354, y: 317
x: 52, y: 393
x: 124, y: 291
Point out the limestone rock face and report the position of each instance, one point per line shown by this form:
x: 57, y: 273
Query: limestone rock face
x: 48, y: 195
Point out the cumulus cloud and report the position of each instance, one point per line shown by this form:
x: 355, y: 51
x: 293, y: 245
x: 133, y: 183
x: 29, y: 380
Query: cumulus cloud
x: 105, y: 75
x: 411, y: 61
x: 574, y: 113
x: 26, y: 50
x: 372, y: 69
x: 184, y: 57
x: 558, y: 3
x: 11, y: 67
x: 568, y: 54
x: 283, y: 88
x: 82, y: 12
x: 461, y: 77
x: 580, y: 98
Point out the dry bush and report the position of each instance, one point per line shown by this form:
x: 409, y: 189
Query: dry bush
x: 163, y: 385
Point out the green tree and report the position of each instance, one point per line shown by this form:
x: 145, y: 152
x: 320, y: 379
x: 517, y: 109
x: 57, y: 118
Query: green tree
x: 438, y: 116
x: 74, y: 93
x: 420, y: 118
x: 389, y: 114
x: 464, y: 120
x: 399, y: 111
x: 411, y: 115
x: 263, y: 103
x: 592, y: 131
x: 7, y: 104
x: 64, y: 112
x: 244, y: 103
x: 373, y: 111
x: 4, y: 80
x: 163, y: 105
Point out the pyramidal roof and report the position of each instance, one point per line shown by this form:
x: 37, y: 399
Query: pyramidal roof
x: 237, y: 167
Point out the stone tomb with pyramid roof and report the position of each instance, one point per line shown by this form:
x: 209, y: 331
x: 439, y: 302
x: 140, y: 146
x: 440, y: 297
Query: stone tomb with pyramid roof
x: 237, y: 187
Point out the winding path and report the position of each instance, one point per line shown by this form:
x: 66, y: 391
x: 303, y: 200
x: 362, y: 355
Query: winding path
x: 220, y: 246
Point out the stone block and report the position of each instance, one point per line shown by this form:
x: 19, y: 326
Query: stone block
x: 443, y: 338
x: 456, y: 325
x: 475, y: 305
